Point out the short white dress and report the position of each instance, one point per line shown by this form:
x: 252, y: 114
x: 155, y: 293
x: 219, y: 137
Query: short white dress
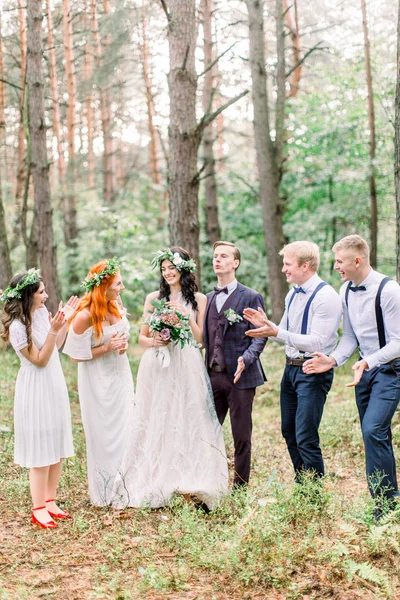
x: 175, y: 443
x: 42, y: 418
x: 106, y: 394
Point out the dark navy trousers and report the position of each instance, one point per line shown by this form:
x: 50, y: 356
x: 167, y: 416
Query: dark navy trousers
x: 302, y: 403
x: 377, y: 397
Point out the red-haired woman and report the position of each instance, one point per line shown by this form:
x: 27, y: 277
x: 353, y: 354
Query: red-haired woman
x: 97, y: 340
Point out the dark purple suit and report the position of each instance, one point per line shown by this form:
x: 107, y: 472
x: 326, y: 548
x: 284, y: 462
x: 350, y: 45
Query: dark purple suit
x: 224, y: 344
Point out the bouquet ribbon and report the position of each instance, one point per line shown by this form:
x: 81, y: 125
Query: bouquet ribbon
x: 164, y: 356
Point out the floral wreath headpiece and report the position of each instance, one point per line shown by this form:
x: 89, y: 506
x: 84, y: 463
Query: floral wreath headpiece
x: 32, y: 276
x: 94, y: 280
x: 179, y: 263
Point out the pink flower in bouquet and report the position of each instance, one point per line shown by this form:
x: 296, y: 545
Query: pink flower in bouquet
x: 170, y: 319
x: 165, y: 335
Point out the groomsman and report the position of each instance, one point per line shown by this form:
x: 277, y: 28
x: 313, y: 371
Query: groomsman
x: 310, y: 322
x: 232, y: 359
x: 371, y: 305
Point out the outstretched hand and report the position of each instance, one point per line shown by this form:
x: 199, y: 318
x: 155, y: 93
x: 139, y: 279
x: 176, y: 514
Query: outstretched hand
x: 57, y: 322
x: 358, y: 369
x: 258, y: 318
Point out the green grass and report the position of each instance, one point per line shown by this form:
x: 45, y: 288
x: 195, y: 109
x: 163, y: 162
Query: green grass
x: 275, y: 541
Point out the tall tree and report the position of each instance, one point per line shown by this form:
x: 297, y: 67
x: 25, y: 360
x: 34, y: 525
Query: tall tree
x: 292, y: 22
x: 269, y: 149
x: 102, y: 47
x: 88, y: 59
x: 372, y: 140
x: 210, y: 180
x: 40, y: 165
x: 5, y: 263
x: 153, y: 145
x: 397, y: 149
x: 184, y: 133
x: 54, y: 92
x: 70, y: 213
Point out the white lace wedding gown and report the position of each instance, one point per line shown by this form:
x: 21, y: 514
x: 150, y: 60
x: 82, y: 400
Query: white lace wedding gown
x: 176, y: 443
x: 42, y: 418
x: 106, y: 395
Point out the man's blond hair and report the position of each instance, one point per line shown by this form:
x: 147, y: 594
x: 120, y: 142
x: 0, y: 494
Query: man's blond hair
x: 353, y: 242
x: 304, y: 252
x: 236, y: 251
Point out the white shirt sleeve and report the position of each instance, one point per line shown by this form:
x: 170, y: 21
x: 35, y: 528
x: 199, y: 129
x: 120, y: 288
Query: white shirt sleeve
x: 78, y: 346
x: 327, y: 312
x: 348, y: 342
x: 390, y: 303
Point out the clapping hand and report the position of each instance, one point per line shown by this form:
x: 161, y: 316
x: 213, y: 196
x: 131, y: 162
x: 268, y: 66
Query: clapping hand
x: 239, y: 370
x: 258, y: 318
x: 70, y: 307
x: 116, y: 344
x: 57, y: 322
x: 125, y: 347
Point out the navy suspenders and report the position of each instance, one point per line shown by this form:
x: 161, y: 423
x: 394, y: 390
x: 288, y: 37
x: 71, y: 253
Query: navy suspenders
x: 304, y: 323
x: 378, y: 310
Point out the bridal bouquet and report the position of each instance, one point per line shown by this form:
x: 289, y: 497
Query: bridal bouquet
x: 172, y: 326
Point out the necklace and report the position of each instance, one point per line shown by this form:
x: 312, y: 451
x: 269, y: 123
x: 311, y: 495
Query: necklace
x: 175, y: 296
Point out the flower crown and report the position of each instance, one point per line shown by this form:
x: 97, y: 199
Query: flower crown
x: 94, y: 280
x: 32, y: 276
x: 179, y: 263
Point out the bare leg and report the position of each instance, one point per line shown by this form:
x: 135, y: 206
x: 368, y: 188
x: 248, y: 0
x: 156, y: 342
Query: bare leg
x: 38, y: 480
x: 52, y: 484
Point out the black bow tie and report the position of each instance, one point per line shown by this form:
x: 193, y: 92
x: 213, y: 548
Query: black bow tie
x: 357, y: 288
x: 219, y: 290
x: 299, y: 290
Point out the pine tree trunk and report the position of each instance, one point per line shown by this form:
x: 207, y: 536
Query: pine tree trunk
x: 397, y: 149
x: 153, y: 146
x: 54, y: 92
x: 184, y: 136
x: 372, y: 142
x: 109, y: 186
x: 210, y: 181
x: 5, y: 262
x: 269, y: 153
x: 87, y: 76
x: 293, y: 25
x: 70, y: 213
x: 21, y: 139
x: 40, y: 165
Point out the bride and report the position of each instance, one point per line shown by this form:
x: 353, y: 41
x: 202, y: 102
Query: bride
x: 176, y: 443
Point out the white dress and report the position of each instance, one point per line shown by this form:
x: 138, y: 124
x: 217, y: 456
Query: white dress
x: 176, y: 443
x: 42, y: 418
x: 106, y: 394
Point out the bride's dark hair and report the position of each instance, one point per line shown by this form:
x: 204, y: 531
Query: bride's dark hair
x: 19, y: 308
x: 188, y: 281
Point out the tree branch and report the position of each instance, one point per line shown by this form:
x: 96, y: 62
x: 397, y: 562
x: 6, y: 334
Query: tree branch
x: 214, y: 62
x: 208, y: 118
x: 163, y: 4
x: 316, y: 47
x: 14, y: 85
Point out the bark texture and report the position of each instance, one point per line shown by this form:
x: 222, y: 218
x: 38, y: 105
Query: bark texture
x: 40, y: 166
x: 183, y: 133
x: 210, y: 180
x: 269, y: 151
x: 397, y: 150
x: 292, y: 22
x: 372, y: 141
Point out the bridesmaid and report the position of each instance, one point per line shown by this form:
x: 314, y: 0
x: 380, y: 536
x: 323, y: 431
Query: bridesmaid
x: 42, y: 420
x: 97, y: 340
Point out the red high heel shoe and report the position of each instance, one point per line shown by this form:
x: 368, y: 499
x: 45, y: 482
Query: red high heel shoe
x: 48, y: 525
x: 62, y: 515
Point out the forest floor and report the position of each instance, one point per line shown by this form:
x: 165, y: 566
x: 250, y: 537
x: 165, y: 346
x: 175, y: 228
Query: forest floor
x: 278, y: 541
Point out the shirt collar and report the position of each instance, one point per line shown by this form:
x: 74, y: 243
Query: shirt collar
x: 231, y: 286
x: 369, y: 279
x: 311, y: 283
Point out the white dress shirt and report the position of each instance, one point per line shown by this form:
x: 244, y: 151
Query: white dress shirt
x: 221, y: 298
x: 323, y: 320
x: 359, y: 322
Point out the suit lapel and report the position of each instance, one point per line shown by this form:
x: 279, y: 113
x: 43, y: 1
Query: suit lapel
x: 232, y: 302
x: 209, y: 300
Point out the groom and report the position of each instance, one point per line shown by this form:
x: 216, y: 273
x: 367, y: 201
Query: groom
x: 232, y: 358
